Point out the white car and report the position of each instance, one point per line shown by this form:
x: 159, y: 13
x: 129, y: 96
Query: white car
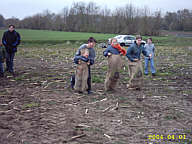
x: 125, y: 40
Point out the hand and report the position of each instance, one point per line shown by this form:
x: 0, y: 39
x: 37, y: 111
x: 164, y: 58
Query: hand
x: 88, y: 63
x: 150, y: 55
x: 135, y: 60
x: 79, y: 62
x: 109, y: 54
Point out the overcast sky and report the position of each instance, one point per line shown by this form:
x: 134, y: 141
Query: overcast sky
x: 23, y: 8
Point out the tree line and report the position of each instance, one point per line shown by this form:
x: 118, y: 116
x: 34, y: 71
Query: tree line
x: 89, y: 17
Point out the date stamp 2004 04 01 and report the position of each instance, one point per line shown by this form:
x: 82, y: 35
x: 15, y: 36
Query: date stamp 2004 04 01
x: 179, y: 139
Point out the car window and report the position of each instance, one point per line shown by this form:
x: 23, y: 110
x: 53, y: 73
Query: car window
x: 126, y: 38
x: 118, y: 37
x: 129, y: 38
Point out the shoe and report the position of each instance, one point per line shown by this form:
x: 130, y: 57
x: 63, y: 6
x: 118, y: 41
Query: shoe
x: 138, y: 88
x: 72, y: 86
x: 110, y: 90
x: 89, y: 92
x: 130, y: 86
x: 153, y: 74
x: 1, y: 74
x: 80, y: 92
x: 72, y: 81
x: 13, y: 74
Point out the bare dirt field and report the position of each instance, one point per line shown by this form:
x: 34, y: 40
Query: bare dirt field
x: 38, y: 107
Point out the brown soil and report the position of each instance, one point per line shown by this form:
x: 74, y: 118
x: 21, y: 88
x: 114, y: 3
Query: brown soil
x: 38, y: 107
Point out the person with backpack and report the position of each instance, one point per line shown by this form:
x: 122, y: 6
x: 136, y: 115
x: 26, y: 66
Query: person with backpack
x: 11, y: 39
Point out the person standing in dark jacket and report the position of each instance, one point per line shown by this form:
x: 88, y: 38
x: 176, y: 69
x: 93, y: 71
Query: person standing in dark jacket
x: 11, y: 39
x: 90, y: 60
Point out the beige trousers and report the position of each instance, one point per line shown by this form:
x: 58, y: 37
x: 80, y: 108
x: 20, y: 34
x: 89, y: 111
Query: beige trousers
x: 114, y: 66
x: 135, y: 73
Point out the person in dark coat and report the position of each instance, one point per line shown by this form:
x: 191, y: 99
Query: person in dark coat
x: 11, y: 39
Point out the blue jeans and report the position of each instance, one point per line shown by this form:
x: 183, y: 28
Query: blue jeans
x: 9, y: 61
x: 152, y: 65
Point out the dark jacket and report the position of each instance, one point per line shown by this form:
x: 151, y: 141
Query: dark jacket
x: 11, y: 40
x: 90, y: 58
x: 112, y: 50
x: 134, y: 52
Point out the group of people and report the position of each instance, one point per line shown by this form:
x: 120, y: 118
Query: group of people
x: 85, y: 57
x: 8, y: 48
x: 81, y: 81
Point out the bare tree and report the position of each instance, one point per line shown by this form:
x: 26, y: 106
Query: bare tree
x: 89, y: 17
x: 2, y: 21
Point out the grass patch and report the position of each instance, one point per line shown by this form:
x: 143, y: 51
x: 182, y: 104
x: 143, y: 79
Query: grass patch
x: 164, y: 73
x: 30, y: 105
x: 97, y: 79
x: 54, y: 37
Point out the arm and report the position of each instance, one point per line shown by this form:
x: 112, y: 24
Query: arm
x: 4, y: 53
x: 4, y: 39
x: 92, y: 58
x: 105, y: 53
x: 129, y: 56
x: 18, y: 39
x: 145, y: 52
x: 77, y: 58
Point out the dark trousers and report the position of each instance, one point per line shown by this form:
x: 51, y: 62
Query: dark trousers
x: 9, y: 61
x: 1, y: 68
x: 88, y: 80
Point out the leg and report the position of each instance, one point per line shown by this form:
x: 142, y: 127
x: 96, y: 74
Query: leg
x: 115, y: 79
x: 85, y: 77
x: 1, y: 69
x: 153, y: 71
x: 12, y: 55
x: 107, y: 81
x: 8, y: 61
x: 72, y: 81
x: 89, y: 80
x: 140, y: 69
x: 133, y: 72
x: 146, y: 65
